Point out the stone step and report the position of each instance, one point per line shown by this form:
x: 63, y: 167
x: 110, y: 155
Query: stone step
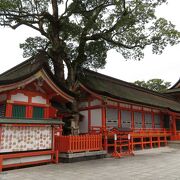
x: 174, y: 144
x: 81, y: 156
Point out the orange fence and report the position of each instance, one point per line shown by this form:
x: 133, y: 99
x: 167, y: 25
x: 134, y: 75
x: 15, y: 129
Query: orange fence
x: 150, y: 137
x: 175, y: 136
x: 140, y: 138
x: 78, y: 143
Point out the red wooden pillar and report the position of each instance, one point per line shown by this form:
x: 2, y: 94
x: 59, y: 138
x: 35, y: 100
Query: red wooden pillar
x: 132, y: 118
x: 8, y: 110
x: 119, y: 116
x: 143, y: 120
x: 46, y: 112
x: 29, y: 108
x: 89, y: 115
x: 153, y: 122
x: 103, y: 112
x: 29, y: 111
x: 174, y: 124
x: 103, y: 109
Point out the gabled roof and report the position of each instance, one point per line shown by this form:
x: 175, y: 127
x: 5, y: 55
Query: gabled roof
x: 117, y: 89
x: 176, y: 85
x: 20, y: 72
x: 175, y: 89
x: 31, y: 68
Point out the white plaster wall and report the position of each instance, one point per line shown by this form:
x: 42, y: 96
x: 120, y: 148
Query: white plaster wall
x: 83, y: 125
x: 26, y: 159
x: 96, y: 117
x: 95, y: 102
x: 19, y: 97
x: 39, y: 100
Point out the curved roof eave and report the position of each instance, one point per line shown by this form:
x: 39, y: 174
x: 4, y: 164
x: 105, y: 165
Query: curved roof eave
x: 26, y: 72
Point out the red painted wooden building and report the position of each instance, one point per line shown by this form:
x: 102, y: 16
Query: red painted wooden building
x: 108, y: 103
x: 111, y: 109
x: 28, y: 121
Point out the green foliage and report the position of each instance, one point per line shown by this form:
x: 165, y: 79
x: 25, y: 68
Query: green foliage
x: 32, y: 45
x: 80, y: 32
x: 158, y: 85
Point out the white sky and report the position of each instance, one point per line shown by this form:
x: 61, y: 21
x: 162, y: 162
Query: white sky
x: 165, y: 66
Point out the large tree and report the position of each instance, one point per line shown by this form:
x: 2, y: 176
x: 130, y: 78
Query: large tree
x: 78, y: 33
x: 158, y: 85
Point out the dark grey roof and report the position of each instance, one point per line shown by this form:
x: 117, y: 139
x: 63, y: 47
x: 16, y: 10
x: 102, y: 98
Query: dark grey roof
x: 111, y: 87
x: 21, y: 71
x: 27, y: 69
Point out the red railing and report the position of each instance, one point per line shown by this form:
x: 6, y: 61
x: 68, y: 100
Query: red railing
x: 78, y: 143
x: 175, y: 136
x: 151, y: 137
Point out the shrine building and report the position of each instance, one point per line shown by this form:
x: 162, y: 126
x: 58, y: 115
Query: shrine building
x: 117, y: 117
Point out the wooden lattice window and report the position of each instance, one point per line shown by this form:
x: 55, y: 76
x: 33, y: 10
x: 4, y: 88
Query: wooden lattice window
x: 148, y: 120
x: 112, y: 117
x: 157, y: 121
x: 126, y: 119
x: 19, y: 111
x: 38, y: 112
x: 138, y: 119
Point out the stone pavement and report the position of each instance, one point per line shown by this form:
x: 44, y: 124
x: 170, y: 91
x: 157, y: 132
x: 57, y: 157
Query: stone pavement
x: 151, y: 164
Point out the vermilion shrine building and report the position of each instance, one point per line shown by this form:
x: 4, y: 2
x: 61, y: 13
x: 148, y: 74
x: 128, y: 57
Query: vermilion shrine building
x: 116, y: 114
x: 109, y: 102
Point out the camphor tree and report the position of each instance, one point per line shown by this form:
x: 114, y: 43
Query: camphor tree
x: 158, y: 85
x: 79, y: 33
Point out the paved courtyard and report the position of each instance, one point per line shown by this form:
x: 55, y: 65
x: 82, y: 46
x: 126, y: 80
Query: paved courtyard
x: 152, y: 164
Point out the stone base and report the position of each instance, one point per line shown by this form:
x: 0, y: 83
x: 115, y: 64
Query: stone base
x: 81, y: 156
x: 174, y: 144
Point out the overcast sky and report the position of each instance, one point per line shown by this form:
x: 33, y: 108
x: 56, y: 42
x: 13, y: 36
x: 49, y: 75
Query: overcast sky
x: 165, y: 66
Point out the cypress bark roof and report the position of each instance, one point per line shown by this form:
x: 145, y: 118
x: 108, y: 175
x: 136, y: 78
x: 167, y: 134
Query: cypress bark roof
x: 175, y: 89
x: 21, y: 71
x: 28, y: 68
x: 114, y: 88
x: 96, y: 82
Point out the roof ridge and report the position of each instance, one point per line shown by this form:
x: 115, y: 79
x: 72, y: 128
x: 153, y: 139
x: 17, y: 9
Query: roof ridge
x: 129, y: 84
x: 17, y: 66
x: 173, y: 87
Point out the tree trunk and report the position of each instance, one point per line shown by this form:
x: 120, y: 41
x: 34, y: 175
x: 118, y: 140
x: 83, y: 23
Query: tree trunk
x: 59, y: 70
x: 71, y: 78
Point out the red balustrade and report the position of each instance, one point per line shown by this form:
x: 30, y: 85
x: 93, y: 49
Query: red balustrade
x: 151, y: 137
x: 78, y: 143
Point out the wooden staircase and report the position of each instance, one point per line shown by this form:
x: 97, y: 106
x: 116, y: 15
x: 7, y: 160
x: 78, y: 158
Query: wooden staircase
x: 120, y: 140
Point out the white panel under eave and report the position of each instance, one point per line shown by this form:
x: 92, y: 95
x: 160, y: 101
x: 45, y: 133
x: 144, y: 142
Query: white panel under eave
x: 19, y: 97
x: 96, y: 117
x: 83, y: 125
x: 39, y: 100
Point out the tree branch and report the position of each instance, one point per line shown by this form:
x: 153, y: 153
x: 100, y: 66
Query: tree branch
x: 55, y: 8
x: 119, y: 44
